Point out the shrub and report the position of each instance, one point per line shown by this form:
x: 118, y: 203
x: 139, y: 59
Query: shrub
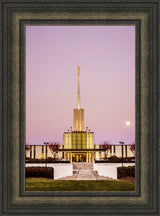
x: 129, y: 159
x: 44, y: 172
x: 54, y: 147
x: 132, y: 148
x: 106, y: 146
x: 49, y: 160
x: 115, y: 159
x: 125, y: 171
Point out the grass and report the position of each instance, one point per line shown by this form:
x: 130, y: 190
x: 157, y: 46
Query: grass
x: 39, y: 184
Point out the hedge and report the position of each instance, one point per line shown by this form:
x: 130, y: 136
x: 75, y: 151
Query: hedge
x: 125, y: 171
x: 44, y: 172
x: 48, y: 160
x: 115, y: 159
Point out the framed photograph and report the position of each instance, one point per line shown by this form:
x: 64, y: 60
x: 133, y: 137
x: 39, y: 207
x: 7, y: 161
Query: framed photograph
x: 81, y: 153
x: 61, y: 63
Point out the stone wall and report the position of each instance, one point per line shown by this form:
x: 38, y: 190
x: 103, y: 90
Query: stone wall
x: 60, y: 170
x: 109, y: 169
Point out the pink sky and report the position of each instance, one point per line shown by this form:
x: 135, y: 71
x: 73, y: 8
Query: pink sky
x: 106, y: 56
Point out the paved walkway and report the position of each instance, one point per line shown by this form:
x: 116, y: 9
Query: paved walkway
x: 84, y: 171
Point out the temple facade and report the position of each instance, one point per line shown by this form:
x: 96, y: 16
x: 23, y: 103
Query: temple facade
x: 82, y: 155
x: 78, y: 142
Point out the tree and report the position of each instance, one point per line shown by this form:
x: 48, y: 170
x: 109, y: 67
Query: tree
x: 132, y: 148
x: 106, y: 146
x: 54, y: 147
x: 27, y: 148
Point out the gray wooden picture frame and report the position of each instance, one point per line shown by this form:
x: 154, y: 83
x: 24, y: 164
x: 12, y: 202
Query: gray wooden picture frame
x: 15, y: 15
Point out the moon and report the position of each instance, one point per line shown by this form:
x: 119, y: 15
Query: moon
x: 128, y: 123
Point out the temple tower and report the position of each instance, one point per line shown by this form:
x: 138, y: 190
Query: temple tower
x: 78, y: 114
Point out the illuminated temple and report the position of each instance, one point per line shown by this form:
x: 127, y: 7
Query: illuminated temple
x: 78, y: 142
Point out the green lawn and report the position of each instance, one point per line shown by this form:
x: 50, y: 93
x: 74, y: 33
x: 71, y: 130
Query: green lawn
x: 39, y: 184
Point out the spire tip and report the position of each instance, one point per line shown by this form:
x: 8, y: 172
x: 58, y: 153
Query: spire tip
x: 78, y: 68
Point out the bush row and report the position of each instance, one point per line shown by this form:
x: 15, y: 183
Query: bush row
x: 48, y: 160
x: 125, y: 171
x: 115, y: 159
x: 44, y: 172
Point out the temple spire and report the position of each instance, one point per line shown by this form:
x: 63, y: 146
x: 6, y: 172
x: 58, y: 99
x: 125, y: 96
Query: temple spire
x: 78, y: 113
x: 78, y: 91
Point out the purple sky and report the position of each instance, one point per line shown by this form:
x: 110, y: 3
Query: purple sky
x: 106, y: 56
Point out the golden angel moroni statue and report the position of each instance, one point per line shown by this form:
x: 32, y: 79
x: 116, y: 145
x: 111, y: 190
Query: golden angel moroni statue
x: 78, y: 69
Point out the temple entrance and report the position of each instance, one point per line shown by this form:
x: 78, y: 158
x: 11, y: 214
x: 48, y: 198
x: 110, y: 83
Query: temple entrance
x: 78, y: 157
